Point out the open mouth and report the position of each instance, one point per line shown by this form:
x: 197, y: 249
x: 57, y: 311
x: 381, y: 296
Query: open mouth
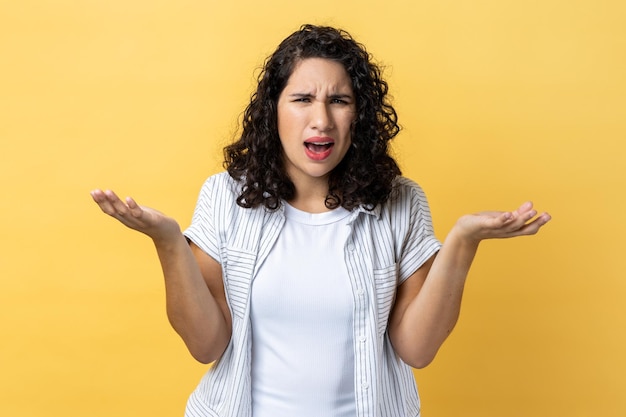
x: 318, y: 147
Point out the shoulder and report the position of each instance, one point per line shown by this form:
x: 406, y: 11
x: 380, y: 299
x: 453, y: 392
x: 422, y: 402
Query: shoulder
x: 217, y: 198
x: 405, y: 198
x: 219, y: 195
x: 221, y: 181
x: 220, y: 187
x: 405, y: 191
x: 404, y: 183
x: 407, y: 206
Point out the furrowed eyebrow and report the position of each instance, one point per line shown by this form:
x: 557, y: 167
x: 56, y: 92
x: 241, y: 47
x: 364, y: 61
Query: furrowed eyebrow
x: 301, y: 95
x: 332, y: 96
x: 341, y: 96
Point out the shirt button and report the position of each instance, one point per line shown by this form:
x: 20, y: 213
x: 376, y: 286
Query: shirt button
x: 362, y: 339
x: 360, y: 291
x: 365, y: 385
x: 351, y: 247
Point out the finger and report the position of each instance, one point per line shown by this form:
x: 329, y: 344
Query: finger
x: 494, y: 220
x: 542, y: 219
x: 502, y: 219
x: 98, y: 195
x: 134, y: 208
x: 521, y: 216
x: 524, y: 208
x: 533, y: 227
x: 507, y: 216
x: 117, y: 203
x: 527, y: 216
x: 112, y: 205
x: 103, y: 202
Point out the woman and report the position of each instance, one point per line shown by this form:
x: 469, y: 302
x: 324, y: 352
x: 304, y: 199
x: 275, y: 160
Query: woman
x: 310, y: 273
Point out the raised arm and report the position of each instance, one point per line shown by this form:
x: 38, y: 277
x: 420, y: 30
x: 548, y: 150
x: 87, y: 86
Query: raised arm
x: 428, y: 303
x: 195, y: 299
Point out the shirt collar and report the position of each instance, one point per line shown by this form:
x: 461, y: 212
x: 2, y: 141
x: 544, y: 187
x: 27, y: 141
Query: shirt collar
x: 363, y: 209
x: 353, y: 216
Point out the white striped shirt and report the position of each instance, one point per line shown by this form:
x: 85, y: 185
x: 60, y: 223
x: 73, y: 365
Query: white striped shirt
x: 385, y: 246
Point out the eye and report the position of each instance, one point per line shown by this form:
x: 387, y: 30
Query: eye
x: 300, y: 98
x: 341, y: 99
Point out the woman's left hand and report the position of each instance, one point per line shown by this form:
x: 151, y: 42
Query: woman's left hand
x: 497, y: 224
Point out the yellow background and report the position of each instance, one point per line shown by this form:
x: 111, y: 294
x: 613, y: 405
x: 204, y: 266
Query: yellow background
x: 501, y: 101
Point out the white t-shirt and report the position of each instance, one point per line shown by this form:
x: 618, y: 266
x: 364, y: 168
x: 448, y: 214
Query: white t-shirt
x: 385, y: 246
x: 302, y: 321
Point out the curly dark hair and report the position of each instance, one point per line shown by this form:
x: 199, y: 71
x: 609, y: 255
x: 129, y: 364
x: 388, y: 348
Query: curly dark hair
x: 365, y: 175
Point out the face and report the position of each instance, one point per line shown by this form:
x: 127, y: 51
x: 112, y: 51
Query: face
x: 315, y: 114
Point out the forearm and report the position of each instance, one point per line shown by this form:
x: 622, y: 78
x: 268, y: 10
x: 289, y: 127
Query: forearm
x: 427, y: 310
x: 202, y: 321
x: 433, y: 312
x: 191, y: 308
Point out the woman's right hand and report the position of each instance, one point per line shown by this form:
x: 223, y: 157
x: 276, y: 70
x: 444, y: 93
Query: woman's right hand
x: 143, y: 219
x: 195, y: 296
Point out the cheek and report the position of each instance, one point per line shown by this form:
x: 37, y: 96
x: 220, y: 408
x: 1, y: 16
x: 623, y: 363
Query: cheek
x: 351, y: 120
x: 287, y: 123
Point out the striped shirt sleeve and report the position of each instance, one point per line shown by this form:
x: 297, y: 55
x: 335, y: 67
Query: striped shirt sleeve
x: 202, y: 230
x: 411, y: 213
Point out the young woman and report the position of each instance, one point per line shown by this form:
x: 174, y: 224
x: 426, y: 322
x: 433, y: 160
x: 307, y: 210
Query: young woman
x: 310, y: 274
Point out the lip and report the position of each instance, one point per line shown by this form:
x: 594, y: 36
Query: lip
x: 319, y: 155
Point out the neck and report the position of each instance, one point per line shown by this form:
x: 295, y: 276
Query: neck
x: 309, y: 205
x: 311, y: 195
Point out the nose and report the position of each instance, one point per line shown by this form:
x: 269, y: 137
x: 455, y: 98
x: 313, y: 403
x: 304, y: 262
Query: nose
x: 321, y: 117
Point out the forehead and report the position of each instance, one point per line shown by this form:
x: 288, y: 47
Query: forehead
x: 319, y: 73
